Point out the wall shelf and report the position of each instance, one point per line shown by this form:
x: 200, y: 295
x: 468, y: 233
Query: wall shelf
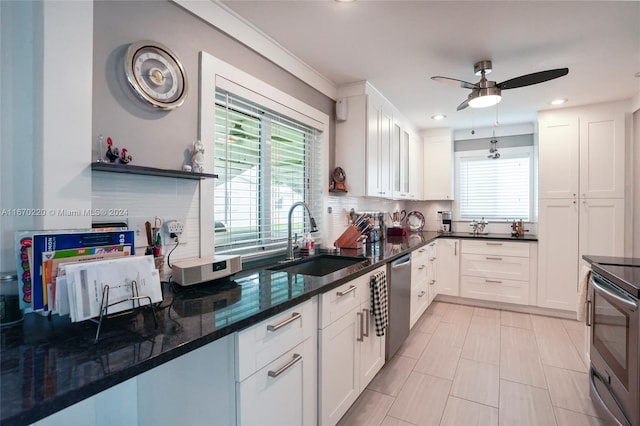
x: 151, y: 171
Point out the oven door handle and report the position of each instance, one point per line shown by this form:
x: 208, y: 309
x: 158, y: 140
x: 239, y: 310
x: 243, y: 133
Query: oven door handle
x: 604, y: 290
x: 593, y: 374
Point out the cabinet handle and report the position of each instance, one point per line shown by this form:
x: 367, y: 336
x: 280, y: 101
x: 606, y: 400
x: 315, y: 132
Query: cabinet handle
x: 587, y: 316
x: 361, y: 316
x: 494, y: 244
x: 274, y: 327
x: 366, y: 323
x: 349, y: 290
x: 432, y: 259
x: 421, y: 267
x: 455, y: 248
x: 493, y: 258
x: 493, y: 281
x: 422, y: 293
x: 432, y: 282
x: 296, y: 358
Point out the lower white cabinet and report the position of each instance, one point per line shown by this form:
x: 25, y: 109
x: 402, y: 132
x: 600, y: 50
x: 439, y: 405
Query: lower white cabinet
x: 350, y: 352
x: 423, y: 280
x: 496, y: 271
x: 194, y: 389
x: 276, y: 379
x: 448, y: 266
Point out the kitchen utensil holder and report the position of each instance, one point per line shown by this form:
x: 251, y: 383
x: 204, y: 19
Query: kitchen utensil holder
x: 351, y: 238
x: 135, y: 298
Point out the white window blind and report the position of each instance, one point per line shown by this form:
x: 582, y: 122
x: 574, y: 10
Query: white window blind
x: 496, y: 189
x: 265, y: 163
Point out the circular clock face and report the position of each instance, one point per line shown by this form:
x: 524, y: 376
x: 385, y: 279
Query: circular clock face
x: 156, y: 75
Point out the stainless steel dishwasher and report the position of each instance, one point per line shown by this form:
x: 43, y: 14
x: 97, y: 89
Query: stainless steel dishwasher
x: 399, y: 273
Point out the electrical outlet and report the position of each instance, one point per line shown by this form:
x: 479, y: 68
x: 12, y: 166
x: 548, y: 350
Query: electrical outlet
x: 174, y: 227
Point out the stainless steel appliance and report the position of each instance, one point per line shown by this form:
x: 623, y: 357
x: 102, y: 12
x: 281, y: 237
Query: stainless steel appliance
x: 614, y: 317
x: 399, y: 284
x: 444, y: 221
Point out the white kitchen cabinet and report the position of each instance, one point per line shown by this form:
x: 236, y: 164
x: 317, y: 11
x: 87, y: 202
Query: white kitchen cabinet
x: 416, y: 179
x: 194, y: 389
x: 276, y: 381
x: 437, y: 165
x: 350, y: 353
x: 496, y: 271
x: 581, y: 188
x: 448, y: 267
x: 419, y: 284
x: 373, y: 144
x: 432, y: 271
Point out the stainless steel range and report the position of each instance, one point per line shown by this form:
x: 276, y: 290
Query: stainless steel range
x: 614, y: 316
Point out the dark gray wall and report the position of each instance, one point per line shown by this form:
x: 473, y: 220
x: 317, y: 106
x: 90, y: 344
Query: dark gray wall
x: 157, y: 138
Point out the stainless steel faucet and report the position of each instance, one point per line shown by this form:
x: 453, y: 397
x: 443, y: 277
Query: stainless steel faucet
x: 314, y: 227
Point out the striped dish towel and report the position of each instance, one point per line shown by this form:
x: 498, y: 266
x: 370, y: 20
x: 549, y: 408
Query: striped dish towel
x: 379, y: 304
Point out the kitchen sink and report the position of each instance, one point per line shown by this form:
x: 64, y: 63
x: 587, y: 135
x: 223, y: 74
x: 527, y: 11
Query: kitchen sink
x: 318, y: 266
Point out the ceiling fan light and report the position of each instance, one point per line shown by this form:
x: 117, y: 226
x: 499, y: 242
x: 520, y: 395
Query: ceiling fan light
x: 558, y: 101
x: 485, y: 101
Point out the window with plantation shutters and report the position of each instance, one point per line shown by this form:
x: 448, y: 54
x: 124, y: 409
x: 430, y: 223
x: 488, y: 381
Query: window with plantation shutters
x: 496, y: 189
x: 265, y: 163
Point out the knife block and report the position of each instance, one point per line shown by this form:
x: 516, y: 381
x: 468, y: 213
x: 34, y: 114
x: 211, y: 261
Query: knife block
x: 351, y: 238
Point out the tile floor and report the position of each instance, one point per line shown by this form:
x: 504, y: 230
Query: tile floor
x: 463, y: 365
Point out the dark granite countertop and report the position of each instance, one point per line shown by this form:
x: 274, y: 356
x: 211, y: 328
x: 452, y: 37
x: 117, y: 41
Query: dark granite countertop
x: 49, y: 363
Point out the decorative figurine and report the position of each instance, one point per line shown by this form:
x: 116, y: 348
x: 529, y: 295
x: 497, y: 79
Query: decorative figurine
x: 197, y: 157
x: 125, y: 158
x: 112, y: 152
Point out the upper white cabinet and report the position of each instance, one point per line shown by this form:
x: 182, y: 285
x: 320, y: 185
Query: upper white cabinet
x: 373, y: 145
x: 416, y: 180
x: 582, y: 153
x: 437, y: 165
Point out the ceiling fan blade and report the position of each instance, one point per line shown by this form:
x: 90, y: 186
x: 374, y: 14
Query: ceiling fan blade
x: 455, y: 82
x: 535, y: 78
x: 463, y: 105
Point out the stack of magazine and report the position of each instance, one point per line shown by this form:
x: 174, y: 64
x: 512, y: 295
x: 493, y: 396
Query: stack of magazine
x: 66, y: 272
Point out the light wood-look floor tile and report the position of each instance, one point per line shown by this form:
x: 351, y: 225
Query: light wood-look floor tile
x: 449, y: 334
x: 487, y: 313
x: 458, y: 316
x: 570, y: 389
x: 521, y: 367
x: 411, y: 405
x: 524, y: 405
x: 438, y: 359
x: 573, y: 325
x: 460, y: 412
x: 392, y: 421
x: 516, y: 319
x: 391, y: 378
x: 555, y: 346
x: 438, y: 308
x: 484, y: 326
x: 428, y: 323
x: 481, y: 348
x: 571, y: 418
x: 518, y: 339
x: 369, y: 409
x: 477, y: 381
x: 414, y: 345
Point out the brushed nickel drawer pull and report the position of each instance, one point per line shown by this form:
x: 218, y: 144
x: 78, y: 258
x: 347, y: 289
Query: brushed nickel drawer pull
x: 366, y: 322
x: 493, y: 258
x: 294, y: 316
x: 493, y: 281
x: 361, y: 316
x: 349, y: 290
x: 494, y: 244
x: 279, y: 371
x: 422, y: 293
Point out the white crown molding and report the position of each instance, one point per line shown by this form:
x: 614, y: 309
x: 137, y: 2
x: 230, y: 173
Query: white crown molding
x: 229, y: 22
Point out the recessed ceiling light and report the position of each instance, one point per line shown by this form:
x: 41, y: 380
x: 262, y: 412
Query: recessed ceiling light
x: 558, y: 101
x: 438, y: 117
x: 344, y: 1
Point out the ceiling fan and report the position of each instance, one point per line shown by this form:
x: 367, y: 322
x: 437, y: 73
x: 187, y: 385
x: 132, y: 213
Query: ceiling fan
x: 487, y: 93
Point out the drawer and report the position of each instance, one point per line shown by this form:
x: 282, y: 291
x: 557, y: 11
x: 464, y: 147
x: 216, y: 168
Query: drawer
x: 508, y: 291
x: 420, y: 255
x: 338, y: 302
x: 503, y: 267
x: 502, y: 248
x: 264, y: 342
x: 419, y: 302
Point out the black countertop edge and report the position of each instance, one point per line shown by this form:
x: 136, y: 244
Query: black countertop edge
x: 490, y: 236
x: 372, y: 252
x: 612, y: 260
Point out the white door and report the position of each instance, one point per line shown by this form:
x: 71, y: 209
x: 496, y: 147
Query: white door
x: 602, y: 155
x: 448, y: 267
x: 415, y: 167
x: 339, y: 368
x: 558, y: 254
x: 601, y: 227
x: 438, y: 165
x: 558, y: 155
x: 372, y: 348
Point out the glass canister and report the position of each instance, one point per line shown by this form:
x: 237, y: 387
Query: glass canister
x: 10, y: 312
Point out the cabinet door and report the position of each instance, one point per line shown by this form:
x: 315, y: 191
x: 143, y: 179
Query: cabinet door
x: 400, y: 162
x: 372, y: 347
x: 602, y: 154
x: 432, y: 272
x: 448, y: 266
x: 601, y: 230
x: 558, y: 254
x: 338, y: 369
x: 378, y: 155
x: 558, y: 155
x: 275, y: 395
x: 416, y: 178
x: 438, y: 165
